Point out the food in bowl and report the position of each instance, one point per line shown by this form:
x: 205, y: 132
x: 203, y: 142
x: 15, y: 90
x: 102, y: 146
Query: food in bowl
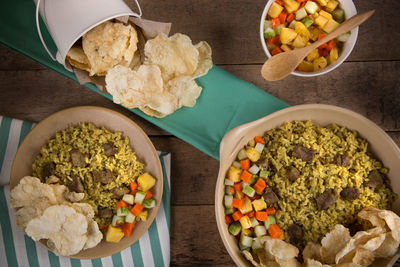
x: 100, y: 165
x: 313, y: 178
x: 291, y: 24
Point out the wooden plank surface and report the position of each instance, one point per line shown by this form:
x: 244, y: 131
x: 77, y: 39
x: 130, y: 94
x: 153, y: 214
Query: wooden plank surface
x: 368, y: 83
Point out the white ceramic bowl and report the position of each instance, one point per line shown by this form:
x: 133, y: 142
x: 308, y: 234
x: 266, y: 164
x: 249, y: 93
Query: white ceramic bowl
x: 381, y: 145
x: 349, y: 10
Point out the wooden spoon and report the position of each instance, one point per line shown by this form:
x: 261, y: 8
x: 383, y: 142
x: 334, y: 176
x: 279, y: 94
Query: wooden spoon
x: 281, y: 65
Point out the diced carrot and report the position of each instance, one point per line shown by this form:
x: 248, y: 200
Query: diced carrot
x: 237, y: 215
x: 321, y: 35
x: 246, y: 176
x: 238, y: 187
x: 137, y: 209
x: 133, y: 187
x: 273, y: 40
x: 270, y: 211
x: 251, y: 214
x: 120, y: 203
x: 245, y: 164
x: 103, y: 227
x: 127, y: 228
x: 275, y: 22
x: 323, y: 46
x: 274, y: 231
x: 260, y: 185
x: 259, y: 139
x: 228, y: 219
x: 148, y: 195
x: 261, y: 216
x: 290, y: 17
x: 331, y: 45
x: 301, y: 1
x: 256, y: 196
x: 237, y: 203
x: 279, y: 2
x: 303, y: 4
x: 276, y: 51
x: 282, y: 17
x: 323, y: 52
x: 231, y: 189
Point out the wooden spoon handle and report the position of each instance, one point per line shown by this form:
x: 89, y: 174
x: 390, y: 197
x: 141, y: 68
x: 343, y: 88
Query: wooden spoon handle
x: 344, y: 27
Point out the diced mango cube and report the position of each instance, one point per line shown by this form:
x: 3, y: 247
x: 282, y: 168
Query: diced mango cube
x: 311, y: 7
x: 285, y: 48
x: 314, y: 32
x: 259, y: 204
x: 253, y: 154
x: 330, y: 26
x: 245, y: 222
x: 322, y: 2
x: 333, y: 55
x: 299, y: 41
x: 246, y: 207
x: 114, y: 234
x: 302, y: 30
x: 287, y: 35
x: 306, y: 66
x: 291, y: 5
x: 331, y: 5
x: 146, y: 181
x: 321, y: 21
x: 275, y: 10
x: 234, y: 174
x: 142, y: 216
x: 313, y: 55
x: 320, y: 63
x: 326, y: 14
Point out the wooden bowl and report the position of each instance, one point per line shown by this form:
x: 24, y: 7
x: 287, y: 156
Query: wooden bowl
x: 381, y: 145
x: 113, y: 121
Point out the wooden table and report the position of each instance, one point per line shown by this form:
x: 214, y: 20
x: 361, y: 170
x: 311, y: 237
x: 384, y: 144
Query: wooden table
x: 368, y: 83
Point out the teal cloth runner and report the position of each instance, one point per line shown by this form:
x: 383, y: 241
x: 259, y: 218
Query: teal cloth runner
x: 17, y: 249
x: 225, y: 102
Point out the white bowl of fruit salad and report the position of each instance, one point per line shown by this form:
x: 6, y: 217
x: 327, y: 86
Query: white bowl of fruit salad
x: 291, y: 24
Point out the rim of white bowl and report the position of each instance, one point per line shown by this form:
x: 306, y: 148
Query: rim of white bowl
x: 349, y: 12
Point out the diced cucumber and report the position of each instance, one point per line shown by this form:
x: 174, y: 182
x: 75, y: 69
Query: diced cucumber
x: 277, y: 30
x: 253, y: 179
x: 254, y: 169
x: 235, y: 228
x: 291, y: 25
x: 252, y: 143
x: 117, y: 220
x: 130, y: 218
x: 122, y: 211
x: 254, y: 222
x: 236, y: 164
x: 256, y: 244
x: 338, y: 15
x: 227, y: 190
x: 248, y: 190
x: 128, y: 198
x: 260, y: 230
x: 139, y: 197
x: 269, y: 33
x: 307, y: 22
x: 242, y: 154
x: 344, y: 37
x: 241, y: 247
x: 301, y: 13
x: 229, y: 211
x: 260, y: 147
x: 246, y: 241
x: 228, y: 201
x: 229, y: 182
x: 267, y: 24
x: 264, y: 174
x: 149, y: 203
x: 270, y: 220
x: 311, y: 7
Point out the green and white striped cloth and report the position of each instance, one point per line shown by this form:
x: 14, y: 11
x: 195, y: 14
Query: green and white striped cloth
x: 17, y: 249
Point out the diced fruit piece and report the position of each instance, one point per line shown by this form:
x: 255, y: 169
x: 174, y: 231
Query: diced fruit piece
x: 270, y: 220
x: 307, y: 22
x: 246, y: 232
x: 320, y: 63
x: 246, y: 208
x: 139, y: 197
x: 254, y: 221
x: 117, y: 221
x: 269, y: 33
x: 321, y: 21
x: 234, y: 174
x: 248, y: 190
x: 253, y: 179
x: 242, y: 154
x: 251, y: 143
x: 254, y: 169
x: 235, y: 228
x: 253, y: 154
x: 301, y: 13
x: 259, y: 204
x: 245, y: 222
x: 228, y: 201
x: 344, y: 37
x: 128, y: 198
x: 299, y: 42
x: 229, y: 211
x: 333, y: 55
x: 122, y: 211
x: 313, y: 55
x: 311, y: 7
x: 314, y: 32
x: 246, y: 241
x: 302, y: 30
x: 149, y: 203
x: 275, y: 10
x: 285, y: 48
x: 260, y: 230
x: 287, y: 35
x: 146, y: 181
x: 228, y: 182
x: 330, y: 26
x: 331, y: 5
x: 267, y: 24
x: 264, y: 173
x: 322, y: 2
x: 130, y: 218
x: 275, y: 231
x: 114, y: 234
x: 291, y: 5
x: 338, y: 15
x: 325, y: 14
x: 306, y: 66
x: 259, y: 147
x: 142, y: 216
x: 279, y: 28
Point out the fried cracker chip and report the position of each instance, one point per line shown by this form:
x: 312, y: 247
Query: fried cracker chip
x: 371, y: 214
x: 292, y: 262
x: 381, y: 218
x: 388, y: 248
x: 109, y: 44
x: 333, y: 242
x: 250, y: 258
x: 77, y: 58
x: 279, y: 248
x: 314, y: 263
x: 185, y: 89
x: 205, y: 59
x: 312, y: 251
